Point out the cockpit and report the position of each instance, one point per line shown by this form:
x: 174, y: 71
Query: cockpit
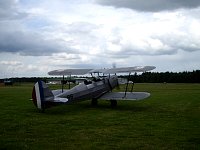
x: 94, y: 79
x: 86, y: 82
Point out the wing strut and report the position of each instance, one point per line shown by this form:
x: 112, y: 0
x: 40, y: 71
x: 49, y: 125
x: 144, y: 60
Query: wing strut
x: 69, y: 81
x: 127, y: 84
x: 132, y: 86
x: 63, y: 82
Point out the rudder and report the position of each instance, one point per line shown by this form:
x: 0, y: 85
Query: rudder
x: 40, y: 94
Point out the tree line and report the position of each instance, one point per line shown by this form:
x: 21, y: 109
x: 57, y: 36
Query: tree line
x: 23, y: 79
x: 167, y: 77
x: 147, y: 77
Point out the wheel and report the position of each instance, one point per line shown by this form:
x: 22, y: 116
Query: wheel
x: 113, y: 103
x: 94, y: 102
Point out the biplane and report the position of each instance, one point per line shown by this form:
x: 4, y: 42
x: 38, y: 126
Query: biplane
x: 99, y: 88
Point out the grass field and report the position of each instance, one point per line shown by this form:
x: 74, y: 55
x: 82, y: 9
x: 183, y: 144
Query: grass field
x: 169, y: 119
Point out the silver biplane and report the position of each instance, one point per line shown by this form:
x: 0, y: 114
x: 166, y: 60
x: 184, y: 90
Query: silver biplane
x: 98, y: 88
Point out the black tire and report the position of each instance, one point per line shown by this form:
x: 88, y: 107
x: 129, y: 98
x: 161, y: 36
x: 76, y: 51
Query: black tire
x: 113, y: 103
x: 94, y: 102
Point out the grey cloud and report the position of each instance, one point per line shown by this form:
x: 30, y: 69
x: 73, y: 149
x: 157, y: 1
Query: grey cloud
x: 152, y: 5
x: 81, y: 27
x: 185, y: 43
x: 81, y: 31
x: 9, y: 10
x: 30, y: 42
x: 128, y: 51
x: 13, y: 63
x: 25, y: 43
x: 169, y: 45
x: 81, y: 34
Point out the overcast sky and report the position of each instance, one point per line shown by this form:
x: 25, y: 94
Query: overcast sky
x: 40, y: 36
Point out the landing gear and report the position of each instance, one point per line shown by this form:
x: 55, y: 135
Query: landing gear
x: 94, y: 102
x: 113, y: 103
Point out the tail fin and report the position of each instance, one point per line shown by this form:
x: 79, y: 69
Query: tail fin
x: 40, y: 94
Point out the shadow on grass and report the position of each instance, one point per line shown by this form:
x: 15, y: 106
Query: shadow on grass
x: 85, y: 107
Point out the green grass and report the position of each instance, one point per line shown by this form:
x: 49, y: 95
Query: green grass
x: 169, y: 119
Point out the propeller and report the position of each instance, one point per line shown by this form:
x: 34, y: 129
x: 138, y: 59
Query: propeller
x: 114, y: 65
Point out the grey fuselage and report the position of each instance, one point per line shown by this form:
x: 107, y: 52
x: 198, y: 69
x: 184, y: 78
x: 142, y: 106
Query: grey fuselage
x: 90, y: 89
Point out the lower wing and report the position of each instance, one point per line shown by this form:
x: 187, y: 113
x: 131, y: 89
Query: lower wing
x: 123, y: 96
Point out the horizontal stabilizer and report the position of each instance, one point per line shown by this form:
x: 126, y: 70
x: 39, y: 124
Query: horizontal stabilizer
x: 60, y: 100
x: 59, y: 91
x: 128, y: 96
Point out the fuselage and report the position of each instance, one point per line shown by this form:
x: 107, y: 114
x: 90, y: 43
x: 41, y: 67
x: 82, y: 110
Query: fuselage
x: 90, y: 89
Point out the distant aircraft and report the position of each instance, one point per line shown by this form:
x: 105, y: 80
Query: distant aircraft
x: 8, y: 82
x: 98, y: 88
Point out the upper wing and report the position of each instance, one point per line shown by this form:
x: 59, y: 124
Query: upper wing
x: 69, y: 72
x: 105, y: 71
x: 129, y: 69
x: 98, y: 70
x: 122, y: 96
